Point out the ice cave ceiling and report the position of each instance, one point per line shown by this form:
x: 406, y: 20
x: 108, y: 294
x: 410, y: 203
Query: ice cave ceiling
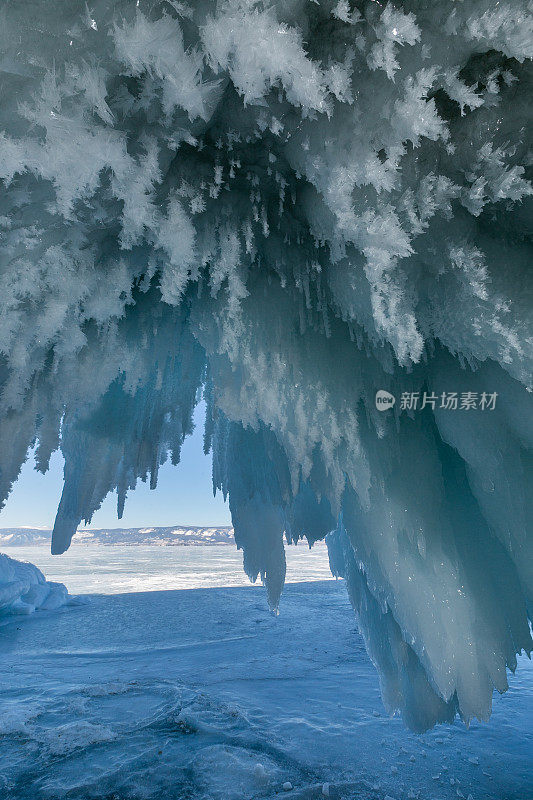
x: 287, y: 207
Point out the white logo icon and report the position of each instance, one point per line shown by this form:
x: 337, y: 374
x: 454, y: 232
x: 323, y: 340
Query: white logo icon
x: 384, y: 400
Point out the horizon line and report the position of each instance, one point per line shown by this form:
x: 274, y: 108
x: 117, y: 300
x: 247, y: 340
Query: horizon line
x: 45, y: 529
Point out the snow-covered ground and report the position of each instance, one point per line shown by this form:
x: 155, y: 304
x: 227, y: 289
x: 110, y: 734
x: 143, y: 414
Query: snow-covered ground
x: 204, y: 694
x: 88, y: 569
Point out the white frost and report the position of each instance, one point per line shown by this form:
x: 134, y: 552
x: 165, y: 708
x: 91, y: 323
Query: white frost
x: 287, y: 207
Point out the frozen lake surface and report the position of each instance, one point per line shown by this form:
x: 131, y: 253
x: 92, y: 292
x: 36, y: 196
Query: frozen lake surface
x: 102, y: 569
x: 203, y: 694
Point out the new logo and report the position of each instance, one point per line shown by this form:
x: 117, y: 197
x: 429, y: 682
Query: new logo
x: 384, y: 400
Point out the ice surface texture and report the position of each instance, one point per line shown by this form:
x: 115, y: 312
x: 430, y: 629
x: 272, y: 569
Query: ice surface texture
x: 287, y: 206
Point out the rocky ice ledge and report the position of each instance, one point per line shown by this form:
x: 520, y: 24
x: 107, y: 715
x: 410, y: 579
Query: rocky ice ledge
x: 24, y: 589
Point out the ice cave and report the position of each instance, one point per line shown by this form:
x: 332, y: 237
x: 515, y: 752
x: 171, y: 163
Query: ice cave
x: 315, y: 216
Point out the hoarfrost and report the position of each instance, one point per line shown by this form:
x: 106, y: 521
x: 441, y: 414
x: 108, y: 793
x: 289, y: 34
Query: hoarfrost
x: 288, y: 207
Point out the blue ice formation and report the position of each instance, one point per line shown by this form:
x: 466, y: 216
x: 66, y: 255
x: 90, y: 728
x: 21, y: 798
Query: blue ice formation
x: 24, y: 589
x: 288, y: 207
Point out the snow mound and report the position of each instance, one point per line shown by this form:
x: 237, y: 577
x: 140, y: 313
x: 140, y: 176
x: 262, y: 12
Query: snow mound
x: 24, y: 589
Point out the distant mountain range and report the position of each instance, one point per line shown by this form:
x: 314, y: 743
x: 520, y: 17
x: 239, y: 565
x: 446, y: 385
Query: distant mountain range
x: 162, y: 537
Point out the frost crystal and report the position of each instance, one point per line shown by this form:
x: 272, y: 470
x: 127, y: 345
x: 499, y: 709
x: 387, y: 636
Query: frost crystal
x: 288, y: 207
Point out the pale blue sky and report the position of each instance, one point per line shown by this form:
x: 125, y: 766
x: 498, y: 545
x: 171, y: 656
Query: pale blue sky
x: 184, y: 494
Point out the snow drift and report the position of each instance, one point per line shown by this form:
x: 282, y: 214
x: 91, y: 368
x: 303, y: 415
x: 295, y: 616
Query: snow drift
x: 288, y: 207
x: 24, y: 589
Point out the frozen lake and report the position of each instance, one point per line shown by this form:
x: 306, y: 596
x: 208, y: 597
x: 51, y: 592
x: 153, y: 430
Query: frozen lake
x: 202, y: 694
x: 101, y: 569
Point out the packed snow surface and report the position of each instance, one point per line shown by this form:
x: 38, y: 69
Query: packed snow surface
x: 204, y: 694
x: 91, y: 568
x: 300, y: 210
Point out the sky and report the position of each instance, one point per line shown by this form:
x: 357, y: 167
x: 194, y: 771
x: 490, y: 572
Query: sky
x: 184, y: 494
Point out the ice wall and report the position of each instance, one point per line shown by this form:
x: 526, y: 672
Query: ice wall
x: 288, y: 206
